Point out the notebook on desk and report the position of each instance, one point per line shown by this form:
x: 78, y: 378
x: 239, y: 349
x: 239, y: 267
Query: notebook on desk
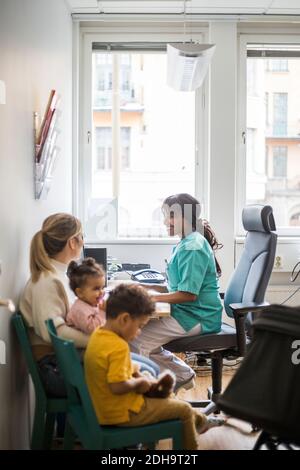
x: 162, y: 309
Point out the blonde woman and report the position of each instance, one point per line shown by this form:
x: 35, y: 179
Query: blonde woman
x: 47, y: 293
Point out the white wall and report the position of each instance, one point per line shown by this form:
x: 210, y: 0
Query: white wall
x: 36, y: 55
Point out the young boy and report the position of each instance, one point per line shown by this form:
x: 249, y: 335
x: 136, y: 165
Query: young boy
x: 116, y: 391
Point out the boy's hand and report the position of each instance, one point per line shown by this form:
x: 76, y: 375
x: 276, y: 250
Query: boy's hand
x: 142, y: 385
x: 136, y: 371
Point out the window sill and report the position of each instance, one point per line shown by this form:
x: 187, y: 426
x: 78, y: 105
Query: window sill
x: 281, y: 240
x: 133, y: 241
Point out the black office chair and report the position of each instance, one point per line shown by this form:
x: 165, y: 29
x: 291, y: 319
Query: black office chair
x: 244, y: 297
x: 265, y: 390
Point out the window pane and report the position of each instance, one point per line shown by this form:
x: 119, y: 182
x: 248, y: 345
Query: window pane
x: 100, y: 164
x: 150, y: 153
x: 278, y: 65
x: 280, y: 161
x: 280, y: 114
x: 102, y: 80
x: 273, y: 137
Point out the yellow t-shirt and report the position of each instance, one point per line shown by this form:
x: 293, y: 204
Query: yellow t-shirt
x: 107, y: 360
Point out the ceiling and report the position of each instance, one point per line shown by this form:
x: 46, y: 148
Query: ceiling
x: 220, y: 7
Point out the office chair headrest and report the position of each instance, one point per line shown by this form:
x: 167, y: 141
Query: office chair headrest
x: 258, y: 218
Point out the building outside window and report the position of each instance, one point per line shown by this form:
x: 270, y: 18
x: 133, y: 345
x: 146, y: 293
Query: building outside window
x: 278, y: 65
x: 102, y: 93
x: 267, y: 107
x: 295, y: 219
x: 280, y: 101
x: 143, y: 144
x: 280, y: 161
x: 103, y: 150
x: 273, y: 133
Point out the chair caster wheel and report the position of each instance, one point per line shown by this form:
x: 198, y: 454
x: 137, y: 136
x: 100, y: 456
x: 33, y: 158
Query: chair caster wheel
x: 255, y: 428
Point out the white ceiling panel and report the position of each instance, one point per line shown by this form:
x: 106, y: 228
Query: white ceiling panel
x: 284, y: 7
x: 83, y: 6
x: 230, y: 7
x: 137, y: 6
x: 266, y: 7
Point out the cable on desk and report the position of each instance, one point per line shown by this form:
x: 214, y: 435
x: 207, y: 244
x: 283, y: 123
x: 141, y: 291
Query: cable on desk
x: 293, y: 278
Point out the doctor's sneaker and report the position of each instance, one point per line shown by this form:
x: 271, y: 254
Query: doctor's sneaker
x: 186, y: 384
x: 208, y: 423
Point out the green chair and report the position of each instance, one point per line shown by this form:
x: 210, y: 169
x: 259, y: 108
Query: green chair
x: 81, y: 416
x: 46, y: 408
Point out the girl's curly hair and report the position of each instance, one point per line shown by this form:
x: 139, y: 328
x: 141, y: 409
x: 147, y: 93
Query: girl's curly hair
x: 79, y: 272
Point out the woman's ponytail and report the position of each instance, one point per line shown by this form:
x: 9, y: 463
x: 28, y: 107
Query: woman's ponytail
x: 57, y: 229
x: 39, y: 260
x: 212, y: 240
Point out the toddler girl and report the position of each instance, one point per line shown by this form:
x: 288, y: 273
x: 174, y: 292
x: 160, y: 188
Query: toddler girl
x: 87, y: 280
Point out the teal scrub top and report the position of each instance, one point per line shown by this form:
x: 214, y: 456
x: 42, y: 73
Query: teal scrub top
x: 192, y: 269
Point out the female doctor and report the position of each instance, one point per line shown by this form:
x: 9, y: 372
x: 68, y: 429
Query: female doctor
x: 192, y: 274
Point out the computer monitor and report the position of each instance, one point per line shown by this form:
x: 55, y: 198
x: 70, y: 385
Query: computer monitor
x: 100, y: 255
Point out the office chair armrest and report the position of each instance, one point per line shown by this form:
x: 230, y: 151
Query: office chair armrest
x: 239, y: 312
x: 244, y: 308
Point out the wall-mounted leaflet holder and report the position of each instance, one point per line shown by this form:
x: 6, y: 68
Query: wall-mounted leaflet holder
x: 46, y: 150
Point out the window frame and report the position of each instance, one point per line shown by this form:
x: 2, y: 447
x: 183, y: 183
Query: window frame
x: 82, y: 171
x: 241, y: 162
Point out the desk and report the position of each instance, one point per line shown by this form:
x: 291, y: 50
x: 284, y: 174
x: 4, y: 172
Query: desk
x: 162, y: 309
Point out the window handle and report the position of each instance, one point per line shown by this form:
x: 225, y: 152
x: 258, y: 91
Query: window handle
x: 244, y: 137
x: 89, y: 134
